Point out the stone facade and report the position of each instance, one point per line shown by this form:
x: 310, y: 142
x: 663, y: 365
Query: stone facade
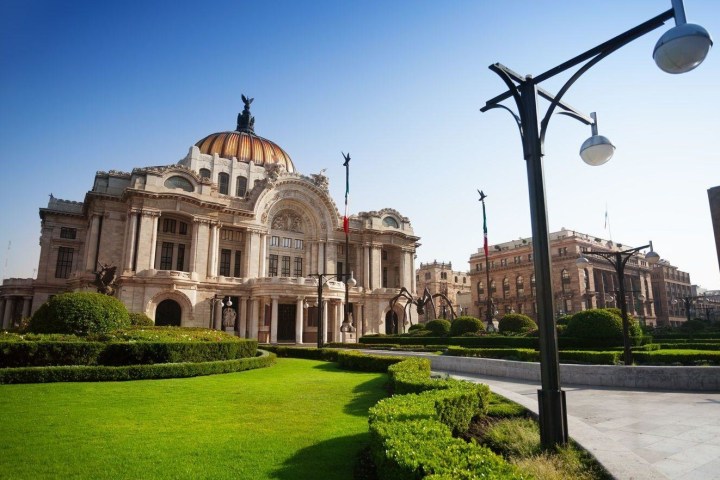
x: 670, y: 286
x: 512, y: 278
x: 212, y: 233
x: 440, y: 278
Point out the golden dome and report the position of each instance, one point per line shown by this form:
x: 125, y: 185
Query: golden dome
x: 244, y: 145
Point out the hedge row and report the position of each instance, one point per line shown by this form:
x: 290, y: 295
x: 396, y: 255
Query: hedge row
x: 412, y: 435
x: 49, y: 353
x: 80, y: 373
x: 687, y: 345
x: 527, y: 355
x: 362, y: 362
x: 497, y: 341
x: 309, y: 353
x: 672, y: 357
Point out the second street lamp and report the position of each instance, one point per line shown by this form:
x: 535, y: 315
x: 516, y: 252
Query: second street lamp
x: 680, y: 50
x: 618, y: 260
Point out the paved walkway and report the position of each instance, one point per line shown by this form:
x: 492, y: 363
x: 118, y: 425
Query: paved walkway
x: 635, y: 434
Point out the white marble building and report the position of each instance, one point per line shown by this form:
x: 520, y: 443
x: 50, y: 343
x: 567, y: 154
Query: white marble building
x: 234, y: 226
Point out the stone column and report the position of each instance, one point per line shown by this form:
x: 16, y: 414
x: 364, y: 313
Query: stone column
x: 9, y: 304
x: 339, y: 310
x: 130, y: 234
x: 360, y: 319
x: 252, y: 255
x: 262, y: 268
x: 242, y: 321
x: 322, y: 263
x: 376, y: 267
x: 274, y: 320
x: 254, y: 318
x: 366, y: 267
x: 193, y: 247
x: 213, y: 250
x: 325, y: 320
x: 299, y: 320
x: 27, y: 301
x: 91, y: 243
x: 153, y: 239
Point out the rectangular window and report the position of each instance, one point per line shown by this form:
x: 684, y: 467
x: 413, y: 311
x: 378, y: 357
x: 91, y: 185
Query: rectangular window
x: 503, y: 262
x: 339, y: 270
x: 223, y: 183
x: 183, y: 228
x: 169, y: 225
x: 70, y: 233
x: 64, y: 262
x: 180, y: 264
x: 298, y: 266
x: 225, y: 262
x: 299, y: 244
x: 427, y: 275
x: 238, y: 258
x: 443, y: 275
x: 273, y: 265
x: 274, y: 241
x: 384, y: 255
x: 341, y: 250
x: 285, y: 266
x: 166, y: 254
x: 287, y: 242
x: 384, y: 277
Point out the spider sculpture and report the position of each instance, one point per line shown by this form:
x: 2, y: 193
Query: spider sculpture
x: 420, y: 303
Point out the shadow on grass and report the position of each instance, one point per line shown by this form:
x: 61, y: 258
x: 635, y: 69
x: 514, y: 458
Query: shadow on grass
x: 328, y: 460
x: 366, y: 394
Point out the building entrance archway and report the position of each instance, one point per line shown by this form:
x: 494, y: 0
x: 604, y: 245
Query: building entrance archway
x: 391, y: 323
x: 168, y: 313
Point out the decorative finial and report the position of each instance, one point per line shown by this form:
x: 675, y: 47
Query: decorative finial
x: 347, y: 159
x: 482, y: 195
x: 245, y: 121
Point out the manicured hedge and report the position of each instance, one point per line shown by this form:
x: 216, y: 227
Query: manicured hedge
x: 134, y: 372
x: 366, y: 363
x: 481, y: 341
x: 411, y: 435
x: 671, y: 357
x: 310, y: 353
x: 688, y: 345
x: 466, y: 324
x: 516, y: 323
x: 519, y: 354
x: 80, y: 313
x: 47, y: 353
x: 439, y: 327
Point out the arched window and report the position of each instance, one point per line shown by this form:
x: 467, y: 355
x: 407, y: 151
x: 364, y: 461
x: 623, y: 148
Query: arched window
x: 492, y: 287
x: 390, y: 222
x: 179, y: 182
x: 532, y: 286
x: 223, y: 183
x: 506, y: 287
x: 480, y: 289
x: 240, y: 186
x: 520, y: 285
x: 587, y: 279
x: 205, y: 173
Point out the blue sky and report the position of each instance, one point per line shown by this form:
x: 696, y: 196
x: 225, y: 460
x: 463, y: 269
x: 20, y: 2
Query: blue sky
x: 88, y: 85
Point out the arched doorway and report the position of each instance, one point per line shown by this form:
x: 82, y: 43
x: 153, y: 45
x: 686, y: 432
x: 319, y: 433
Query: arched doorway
x: 391, y: 323
x: 168, y: 313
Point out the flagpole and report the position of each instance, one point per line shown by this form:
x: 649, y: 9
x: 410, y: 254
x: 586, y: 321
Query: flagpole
x: 490, y: 305
x: 346, y: 228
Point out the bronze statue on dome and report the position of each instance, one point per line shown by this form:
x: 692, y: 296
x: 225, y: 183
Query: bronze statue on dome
x: 246, y: 122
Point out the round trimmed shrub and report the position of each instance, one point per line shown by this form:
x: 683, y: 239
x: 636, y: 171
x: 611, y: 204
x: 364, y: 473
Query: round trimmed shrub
x: 466, y: 324
x: 416, y: 326
x: 140, y: 320
x: 439, y: 327
x: 80, y: 313
x: 563, y: 320
x: 516, y: 323
x: 595, y: 324
x: 634, y: 326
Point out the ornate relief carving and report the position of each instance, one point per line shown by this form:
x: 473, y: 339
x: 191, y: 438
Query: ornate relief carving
x: 288, y: 221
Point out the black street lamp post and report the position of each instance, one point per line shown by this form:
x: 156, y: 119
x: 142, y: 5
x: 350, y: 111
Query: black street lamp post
x: 618, y: 261
x: 322, y: 279
x: 679, y: 50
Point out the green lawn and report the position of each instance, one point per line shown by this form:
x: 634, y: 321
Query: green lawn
x: 298, y: 419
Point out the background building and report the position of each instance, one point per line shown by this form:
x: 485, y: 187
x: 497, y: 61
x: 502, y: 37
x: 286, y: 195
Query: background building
x: 670, y: 286
x: 439, y: 277
x: 229, y: 237
x: 512, y: 277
